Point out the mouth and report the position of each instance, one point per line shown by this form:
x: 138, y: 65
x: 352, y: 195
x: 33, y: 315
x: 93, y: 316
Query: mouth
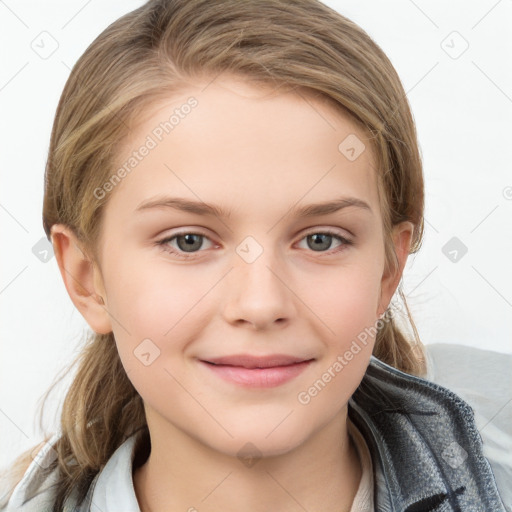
x: 257, y: 371
x: 252, y: 362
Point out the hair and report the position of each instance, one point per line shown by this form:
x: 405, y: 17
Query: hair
x: 154, y: 52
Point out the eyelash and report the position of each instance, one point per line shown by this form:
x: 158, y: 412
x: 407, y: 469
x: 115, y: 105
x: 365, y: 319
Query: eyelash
x: 163, y: 243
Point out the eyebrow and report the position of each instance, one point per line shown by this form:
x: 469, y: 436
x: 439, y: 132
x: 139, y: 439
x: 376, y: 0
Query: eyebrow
x: 202, y: 208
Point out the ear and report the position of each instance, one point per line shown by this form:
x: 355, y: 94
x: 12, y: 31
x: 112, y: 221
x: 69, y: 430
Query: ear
x: 402, y: 237
x: 82, y: 278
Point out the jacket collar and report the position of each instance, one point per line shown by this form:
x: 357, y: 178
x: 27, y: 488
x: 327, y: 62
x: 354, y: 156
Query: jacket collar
x: 426, y: 449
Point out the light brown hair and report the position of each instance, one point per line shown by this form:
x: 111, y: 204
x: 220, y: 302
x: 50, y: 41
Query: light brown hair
x: 154, y: 52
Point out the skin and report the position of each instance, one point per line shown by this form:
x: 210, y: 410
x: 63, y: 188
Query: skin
x: 257, y: 153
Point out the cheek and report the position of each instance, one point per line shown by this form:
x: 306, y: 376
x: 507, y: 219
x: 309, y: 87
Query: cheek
x: 346, y: 300
x: 149, y: 296
x: 157, y: 310
x: 348, y: 312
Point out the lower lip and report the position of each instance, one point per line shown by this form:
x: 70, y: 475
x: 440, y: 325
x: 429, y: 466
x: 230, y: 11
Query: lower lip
x: 258, y: 377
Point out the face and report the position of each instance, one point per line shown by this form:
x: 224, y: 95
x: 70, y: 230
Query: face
x: 211, y: 247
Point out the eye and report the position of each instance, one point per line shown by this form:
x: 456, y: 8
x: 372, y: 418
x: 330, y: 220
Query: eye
x: 320, y: 240
x: 186, y: 242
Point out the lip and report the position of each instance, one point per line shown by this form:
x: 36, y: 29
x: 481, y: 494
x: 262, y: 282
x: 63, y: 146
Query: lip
x: 249, y: 361
x: 257, y: 371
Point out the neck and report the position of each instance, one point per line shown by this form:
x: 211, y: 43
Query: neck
x: 180, y: 473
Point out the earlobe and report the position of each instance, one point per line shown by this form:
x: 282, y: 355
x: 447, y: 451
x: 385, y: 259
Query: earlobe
x: 402, y: 238
x: 82, y: 278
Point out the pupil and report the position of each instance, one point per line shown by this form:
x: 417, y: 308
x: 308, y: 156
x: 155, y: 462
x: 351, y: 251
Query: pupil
x: 319, y: 243
x: 190, y: 240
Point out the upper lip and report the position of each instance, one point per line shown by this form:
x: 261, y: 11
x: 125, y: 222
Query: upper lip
x: 248, y: 361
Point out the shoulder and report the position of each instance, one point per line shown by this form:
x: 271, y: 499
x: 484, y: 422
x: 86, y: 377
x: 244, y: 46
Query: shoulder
x: 483, y: 379
x: 461, y: 363
x: 27, y: 485
x: 36, y: 492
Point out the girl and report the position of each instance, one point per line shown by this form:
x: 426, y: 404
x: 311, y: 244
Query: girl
x: 232, y: 192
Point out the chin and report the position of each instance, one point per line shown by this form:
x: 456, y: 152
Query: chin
x: 259, y: 444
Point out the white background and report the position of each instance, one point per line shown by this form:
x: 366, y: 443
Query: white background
x: 463, y: 110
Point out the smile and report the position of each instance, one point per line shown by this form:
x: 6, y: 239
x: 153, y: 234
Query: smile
x: 257, y: 372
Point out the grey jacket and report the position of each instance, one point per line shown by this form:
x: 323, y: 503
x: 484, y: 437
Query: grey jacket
x: 427, y: 453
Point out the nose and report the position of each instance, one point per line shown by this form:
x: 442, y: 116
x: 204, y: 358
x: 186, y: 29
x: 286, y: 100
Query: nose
x: 258, y: 294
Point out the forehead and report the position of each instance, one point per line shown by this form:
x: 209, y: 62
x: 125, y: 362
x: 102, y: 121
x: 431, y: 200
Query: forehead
x: 244, y: 145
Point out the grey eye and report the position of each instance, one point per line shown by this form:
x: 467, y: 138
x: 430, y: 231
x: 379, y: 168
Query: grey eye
x: 189, y: 242
x: 319, y: 241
